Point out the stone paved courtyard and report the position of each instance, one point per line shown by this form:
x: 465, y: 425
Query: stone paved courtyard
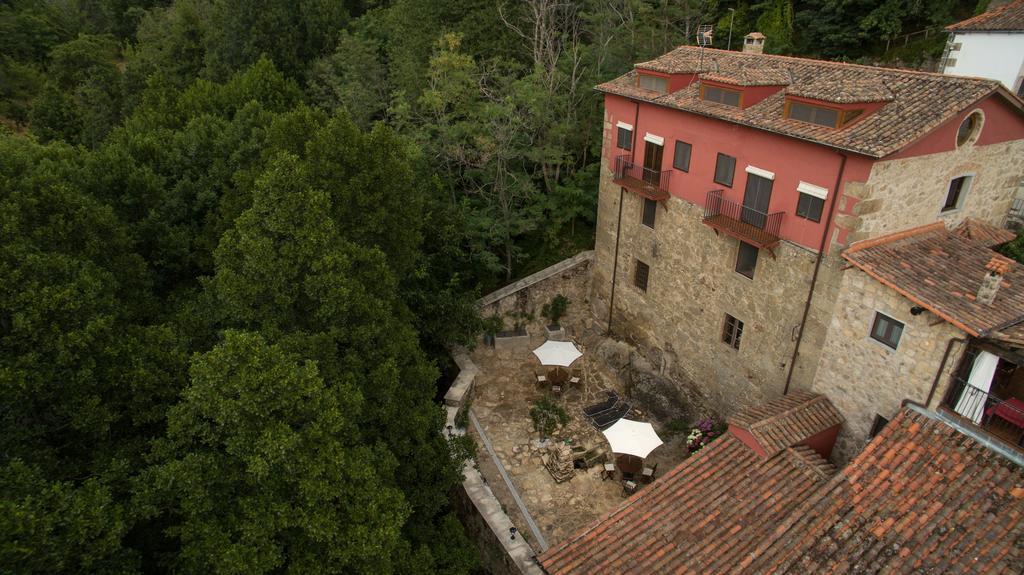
x: 505, y: 390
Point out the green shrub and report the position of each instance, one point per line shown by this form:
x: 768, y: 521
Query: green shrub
x: 547, y: 415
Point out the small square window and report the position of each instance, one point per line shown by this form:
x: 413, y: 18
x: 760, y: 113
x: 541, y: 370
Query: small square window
x: 625, y: 139
x: 725, y: 167
x: 681, y: 160
x: 746, y: 260
x: 886, y: 330
x: 955, y: 195
x: 650, y: 210
x: 809, y: 207
x: 641, y: 275
x: 732, y: 331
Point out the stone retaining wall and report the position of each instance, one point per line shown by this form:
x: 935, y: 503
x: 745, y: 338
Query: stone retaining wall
x: 480, y: 511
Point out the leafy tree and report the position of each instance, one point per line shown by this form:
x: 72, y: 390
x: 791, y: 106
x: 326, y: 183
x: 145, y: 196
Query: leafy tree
x: 263, y: 470
x: 56, y: 527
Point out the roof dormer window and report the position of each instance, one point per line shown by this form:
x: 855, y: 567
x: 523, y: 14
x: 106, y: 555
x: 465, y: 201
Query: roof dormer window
x: 721, y: 95
x: 820, y: 115
x: 653, y: 83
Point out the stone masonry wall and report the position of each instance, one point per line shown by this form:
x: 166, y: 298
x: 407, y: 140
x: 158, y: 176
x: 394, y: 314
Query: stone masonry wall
x: 692, y: 285
x: 909, y: 192
x: 529, y: 295
x: 862, y: 376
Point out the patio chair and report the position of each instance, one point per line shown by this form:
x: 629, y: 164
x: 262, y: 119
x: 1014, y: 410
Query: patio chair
x: 556, y: 390
x: 541, y: 379
x: 606, y: 419
x: 608, y: 472
x: 575, y: 377
x: 647, y: 475
x: 628, y: 487
x: 598, y: 408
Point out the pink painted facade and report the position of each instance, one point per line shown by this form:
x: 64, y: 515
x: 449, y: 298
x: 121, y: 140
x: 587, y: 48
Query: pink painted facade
x: 791, y: 160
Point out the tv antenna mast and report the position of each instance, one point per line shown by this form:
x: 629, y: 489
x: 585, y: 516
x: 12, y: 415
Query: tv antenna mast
x: 705, y: 33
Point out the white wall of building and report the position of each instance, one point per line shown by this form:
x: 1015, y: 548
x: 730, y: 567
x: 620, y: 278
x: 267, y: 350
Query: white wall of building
x: 999, y: 56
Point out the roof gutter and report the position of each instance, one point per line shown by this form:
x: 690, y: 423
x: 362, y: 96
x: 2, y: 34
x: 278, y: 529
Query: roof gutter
x: 825, y: 234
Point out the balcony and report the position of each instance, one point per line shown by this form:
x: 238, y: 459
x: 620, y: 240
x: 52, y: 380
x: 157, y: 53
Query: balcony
x: 1002, y: 417
x: 746, y: 224
x: 640, y: 180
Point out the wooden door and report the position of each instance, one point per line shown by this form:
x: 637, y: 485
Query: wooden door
x: 755, y: 200
x: 652, y: 162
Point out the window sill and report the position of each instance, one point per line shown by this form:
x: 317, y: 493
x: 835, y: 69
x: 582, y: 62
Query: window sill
x: 884, y: 346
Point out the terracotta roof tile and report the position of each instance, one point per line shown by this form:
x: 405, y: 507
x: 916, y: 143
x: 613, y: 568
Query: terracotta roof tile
x: 1009, y: 17
x: 702, y: 513
x: 941, y: 271
x: 940, y: 503
x: 920, y: 498
x: 914, y: 103
x: 788, y: 420
x: 983, y: 233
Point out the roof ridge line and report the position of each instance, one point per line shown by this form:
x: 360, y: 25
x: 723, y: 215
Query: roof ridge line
x: 788, y: 411
x: 838, y: 64
x: 880, y: 240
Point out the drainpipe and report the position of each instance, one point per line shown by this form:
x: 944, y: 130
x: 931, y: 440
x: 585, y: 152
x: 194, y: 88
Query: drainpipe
x: 942, y: 365
x: 618, y: 225
x: 817, y: 266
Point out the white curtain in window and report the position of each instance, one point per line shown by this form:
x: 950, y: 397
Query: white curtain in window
x: 972, y: 401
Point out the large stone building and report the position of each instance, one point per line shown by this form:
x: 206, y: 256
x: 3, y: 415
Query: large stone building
x: 720, y: 257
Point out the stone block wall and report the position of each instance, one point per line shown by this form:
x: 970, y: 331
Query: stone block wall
x: 863, y: 377
x: 692, y: 285
x: 909, y: 192
x: 528, y: 295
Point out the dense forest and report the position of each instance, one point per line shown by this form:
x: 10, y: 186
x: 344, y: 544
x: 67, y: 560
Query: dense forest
x: 238, y: 235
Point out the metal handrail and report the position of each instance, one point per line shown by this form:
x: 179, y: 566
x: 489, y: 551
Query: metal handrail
x: 625, y: 168
x: 717, y: 205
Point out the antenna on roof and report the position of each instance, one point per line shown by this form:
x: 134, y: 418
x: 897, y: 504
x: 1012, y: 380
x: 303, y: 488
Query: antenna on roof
x: 705, y: 34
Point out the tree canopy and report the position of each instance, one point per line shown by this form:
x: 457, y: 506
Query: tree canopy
x: 238, y: 238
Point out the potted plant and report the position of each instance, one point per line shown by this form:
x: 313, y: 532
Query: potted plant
x: 491, y: 326
x: 553, y: 311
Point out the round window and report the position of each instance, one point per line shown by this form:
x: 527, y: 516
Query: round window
x: 968, y: 128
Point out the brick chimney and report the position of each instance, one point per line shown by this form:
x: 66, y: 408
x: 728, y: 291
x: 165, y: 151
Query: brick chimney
x: 997, y: 268
x: 753, y: 43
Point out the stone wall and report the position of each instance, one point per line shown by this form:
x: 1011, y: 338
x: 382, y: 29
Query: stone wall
x: 478, y: 509
x: 863, y: 377
x: 909, y: 192
x: 678, y: 322
x: 528, y: 295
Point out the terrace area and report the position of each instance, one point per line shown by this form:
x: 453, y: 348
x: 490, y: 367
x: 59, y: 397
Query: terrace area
x: 504, y: 392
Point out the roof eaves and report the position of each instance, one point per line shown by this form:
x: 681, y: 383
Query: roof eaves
x: 859, y: 152
x: 903, y: 292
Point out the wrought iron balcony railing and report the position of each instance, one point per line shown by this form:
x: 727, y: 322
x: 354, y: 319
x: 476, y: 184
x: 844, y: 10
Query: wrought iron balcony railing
x: 752, y: 226
x: 1004, y: 415
x: 644, y: 181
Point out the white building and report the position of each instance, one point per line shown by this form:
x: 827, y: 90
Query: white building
x: 990, y: 45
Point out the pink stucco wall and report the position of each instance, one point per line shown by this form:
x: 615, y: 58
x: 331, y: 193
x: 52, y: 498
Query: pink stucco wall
x: 1003, y: 123
x: 790, y: 159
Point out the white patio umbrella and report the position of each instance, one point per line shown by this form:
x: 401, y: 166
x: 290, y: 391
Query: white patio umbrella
x: 629, y: 437
x: 557, y: 353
